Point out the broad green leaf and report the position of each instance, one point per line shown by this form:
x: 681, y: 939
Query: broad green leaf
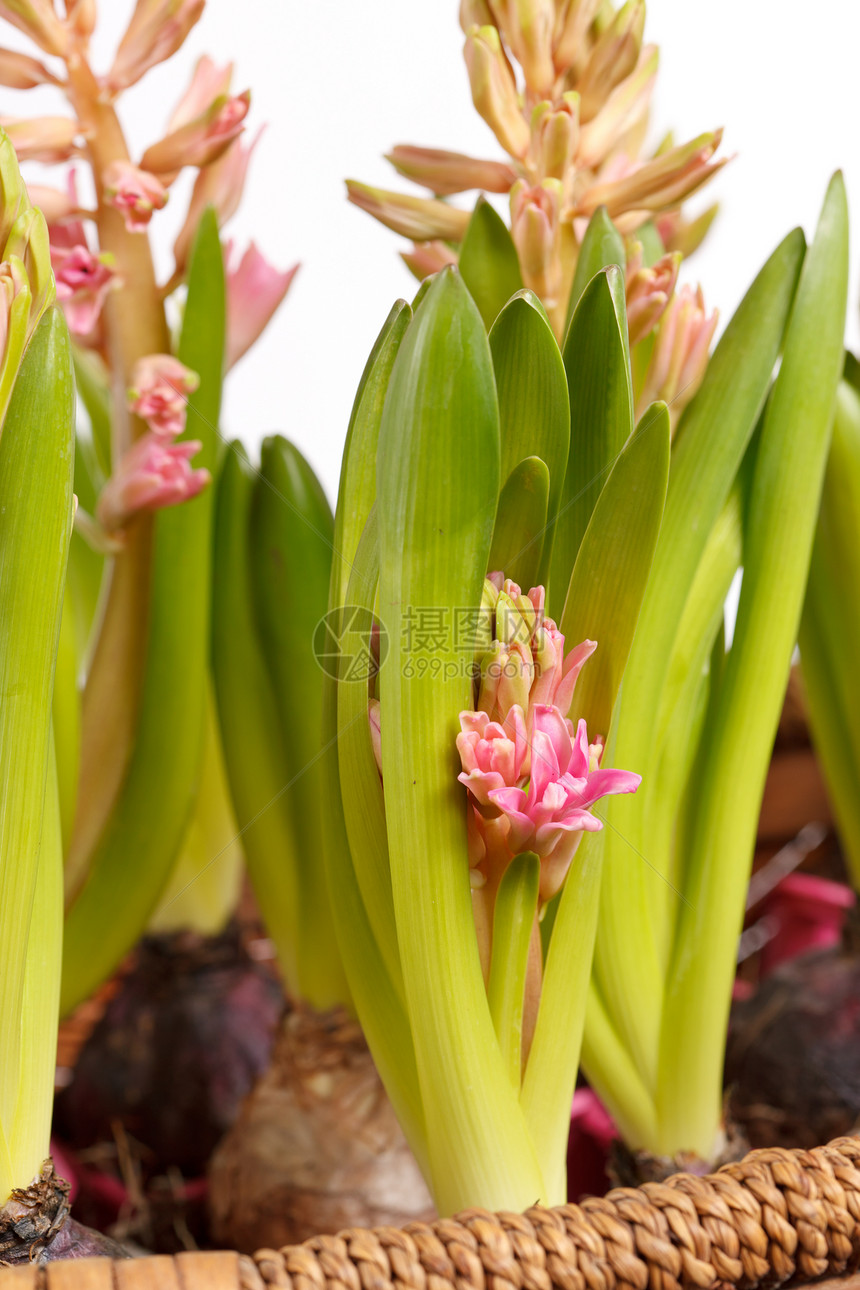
x: 830, y: 627
x: 521, y: 522
x: 258, y: 768
x: 706, y: 456
x: 513, y: 925
x: 374, y: 988
x: 611, y: 571
x: 488, y: 262
x: 360, y: 786
x: 290, y: 559
x: 36, y: 472
x: 601, y: 246
x: 534, y: 409
x: 438, y: 466
x: 597, y: 363
x: 136, y: 851
x: 786, y: 489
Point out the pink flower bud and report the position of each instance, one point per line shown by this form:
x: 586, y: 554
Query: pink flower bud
x: 156, y: 31
x: 623, y: 110
x: 427, y: 258
x: 494, y: 90
x: 648, y: 292
x: 613, y: 57
x: 20, y: 72
x: 655, y: 185
x: 680, y: 354
x: 151, y: 475
x: 135, y: 193
x: 81, y: 16
x: 555, y: 136
x: 83, y: 282
x: 219, y: 185
x: 38, y: 20
x: 201, y: 140
x: 254, y: 291
x: 536, y: 230
x: 208, y: 83
x: 450, y: 172
x: 42, y: 138
x: 56, y: 205
x: 160, y: 386
x: 527, y: 28
x: 420, y: 218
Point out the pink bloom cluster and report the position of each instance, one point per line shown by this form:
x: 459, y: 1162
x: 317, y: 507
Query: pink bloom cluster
x: 155, y: 472
x: 530, y: 775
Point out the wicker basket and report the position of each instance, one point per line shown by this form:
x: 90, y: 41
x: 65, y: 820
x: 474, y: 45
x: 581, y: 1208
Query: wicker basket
x: 774, y: 1217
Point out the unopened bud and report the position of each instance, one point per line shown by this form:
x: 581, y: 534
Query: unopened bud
x: 555, y: 136
x: 571, y: 42
x: 420, y: 218
x: 527, y: 27
x: 649, y: 292
x: 427, y: 258
x: 445, y: 173
x: 536, y: 231
x: 42, y: 138
x: 613, y: 58
x: 680, y: 355
x: 81, y: 16
x: 156, y: 31
x: 199, y: 142
x: 494, y: 90
x: 625, y: 107
x: 475, y: 13
x: 38, y: 20
x: 20, y: 72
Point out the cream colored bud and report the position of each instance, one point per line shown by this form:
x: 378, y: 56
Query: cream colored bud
x: 494, y: 90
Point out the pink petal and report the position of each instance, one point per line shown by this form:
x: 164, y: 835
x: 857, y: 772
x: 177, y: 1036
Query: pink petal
x: 254, y: 291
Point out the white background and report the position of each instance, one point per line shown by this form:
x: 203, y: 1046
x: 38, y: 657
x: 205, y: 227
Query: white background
x: 341, y: 81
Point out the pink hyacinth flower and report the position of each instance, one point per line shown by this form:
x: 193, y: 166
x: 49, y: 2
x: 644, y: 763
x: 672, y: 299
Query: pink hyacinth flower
x: 255, y: 289
x: 492, y: 755
x: 135, y: 193
x: 219, y: 185
x: 160, y: 386
x: 152, y: 474
x: 83, y: 281
x: 550, y: 816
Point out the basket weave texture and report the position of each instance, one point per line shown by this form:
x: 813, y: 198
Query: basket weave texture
x: 774, y: 1217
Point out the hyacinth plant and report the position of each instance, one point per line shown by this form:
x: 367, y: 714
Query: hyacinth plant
x: 565, y: 87
x: 36, y: 506
x: 479, y: 443
x: 134, y: 717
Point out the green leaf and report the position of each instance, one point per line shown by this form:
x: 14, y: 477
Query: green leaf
x: 252, y: 737
x: 708, y: 449
x: 601, y: 246
x: 489, y: 264
x: 136, y: 851
x: 830, y: 628
x: 521, y: 522
x: 611, y: 571
x: 438, y: 467
x: 36, y: 472
x: 290, y: 559
x: 597, y: 363
x: 513, y: 924
x: 534, y: 409
x: 778, y: 539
